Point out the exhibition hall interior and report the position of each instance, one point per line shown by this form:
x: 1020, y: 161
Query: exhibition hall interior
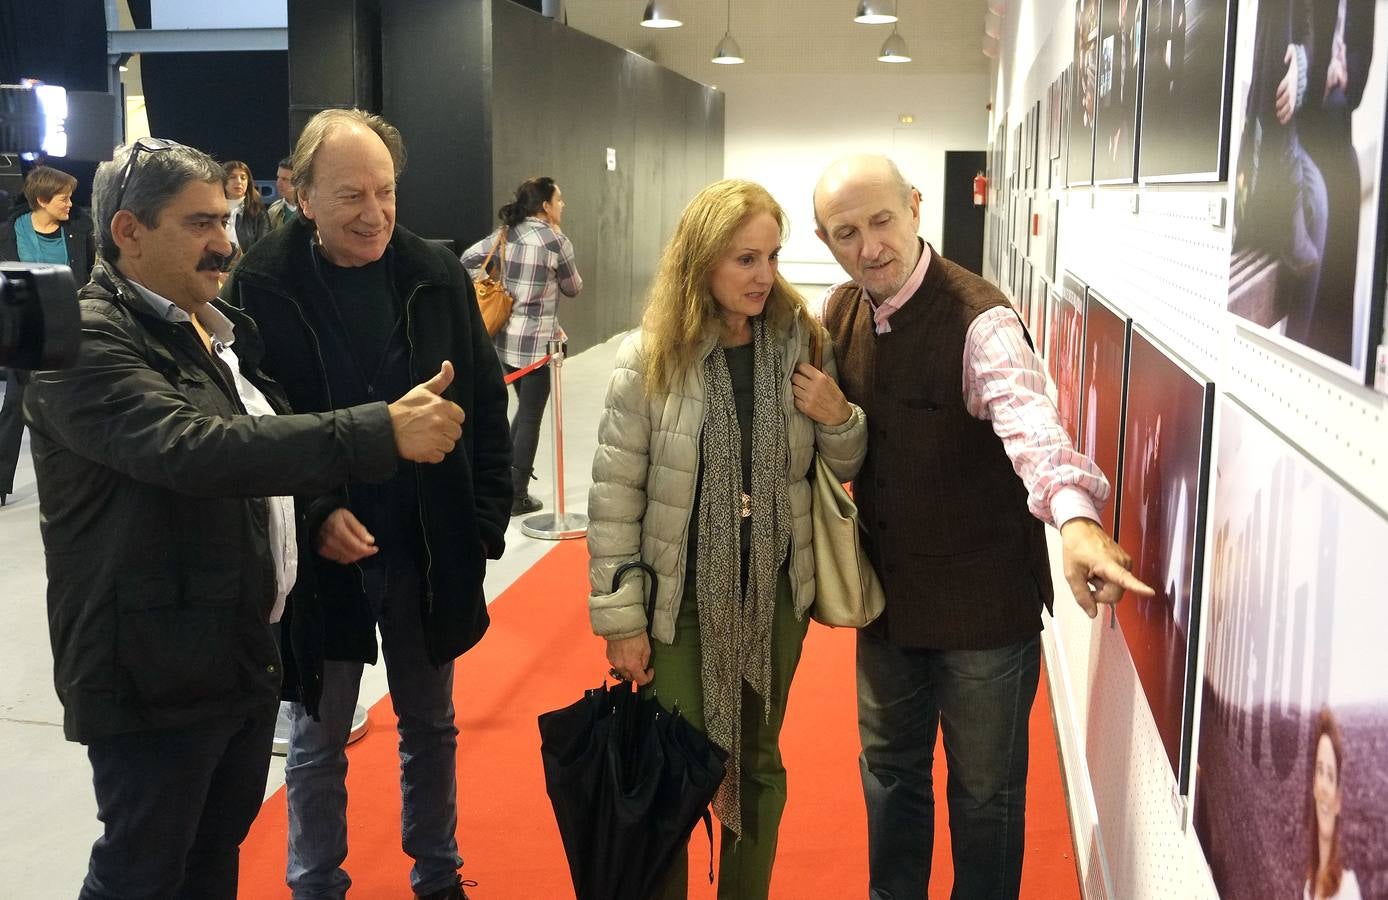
x: 1180, y: 202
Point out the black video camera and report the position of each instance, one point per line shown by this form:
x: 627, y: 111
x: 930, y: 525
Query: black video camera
x: 39, y: 323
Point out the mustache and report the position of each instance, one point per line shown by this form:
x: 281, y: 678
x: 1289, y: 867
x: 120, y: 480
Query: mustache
x: 219, y: 262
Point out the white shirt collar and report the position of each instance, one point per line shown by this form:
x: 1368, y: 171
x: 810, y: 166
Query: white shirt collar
x: 217, y: 324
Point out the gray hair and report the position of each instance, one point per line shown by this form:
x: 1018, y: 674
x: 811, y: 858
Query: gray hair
x: 323, y: 125
x: 157, y: 177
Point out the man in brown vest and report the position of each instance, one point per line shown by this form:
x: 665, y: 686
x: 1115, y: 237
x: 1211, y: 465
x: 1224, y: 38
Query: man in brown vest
x: 966, y: 461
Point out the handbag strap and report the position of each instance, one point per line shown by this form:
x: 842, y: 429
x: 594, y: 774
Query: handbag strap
x: 816, y: 342
x: 499, y: 248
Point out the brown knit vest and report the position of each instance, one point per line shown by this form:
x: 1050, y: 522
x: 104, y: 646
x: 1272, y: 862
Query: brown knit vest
x: 963, y: 561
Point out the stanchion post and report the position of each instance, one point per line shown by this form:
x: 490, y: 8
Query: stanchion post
x: 558, y: 525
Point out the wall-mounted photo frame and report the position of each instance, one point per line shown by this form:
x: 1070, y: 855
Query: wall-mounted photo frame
x: 1039, y: 306
x: 1168, y: 415
x: 1187, y: 71
x: 1293, y: 650
x: 1065, y: 344
x: 1308, y: 252
x: 1103, y: 387
x: 1084, y: 97
x: 1119, y: 82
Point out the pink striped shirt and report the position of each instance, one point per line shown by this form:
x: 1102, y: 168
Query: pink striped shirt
x: 1004, y: 383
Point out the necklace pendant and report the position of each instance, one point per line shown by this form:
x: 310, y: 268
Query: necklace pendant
x: 746, y: 511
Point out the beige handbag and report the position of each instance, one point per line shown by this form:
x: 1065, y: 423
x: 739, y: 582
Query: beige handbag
x: 847, y: 591
x: 492, y: 297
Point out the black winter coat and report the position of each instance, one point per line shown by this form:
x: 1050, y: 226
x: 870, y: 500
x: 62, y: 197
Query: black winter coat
x: 464, y: 501
x: 81, y: 247
x: 150, y: 476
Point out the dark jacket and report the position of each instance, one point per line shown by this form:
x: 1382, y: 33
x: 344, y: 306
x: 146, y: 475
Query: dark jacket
x: 464, y: 501
x: 81, y: 247
x: 250, y: 229
x: 962, y: 560
x: 150, y: 476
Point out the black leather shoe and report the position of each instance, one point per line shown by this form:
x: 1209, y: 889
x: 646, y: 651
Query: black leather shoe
x: 525, y: 504
x: 452, y: 892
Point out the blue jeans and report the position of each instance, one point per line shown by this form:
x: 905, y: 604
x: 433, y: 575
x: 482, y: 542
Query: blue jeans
x: 315, y: 770
x: 982, y: 699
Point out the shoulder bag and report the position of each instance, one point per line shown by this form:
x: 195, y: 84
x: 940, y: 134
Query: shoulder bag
x: 492, y: 297
x: 848, y: 593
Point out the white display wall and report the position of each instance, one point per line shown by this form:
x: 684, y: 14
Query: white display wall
x: 1161, y: 253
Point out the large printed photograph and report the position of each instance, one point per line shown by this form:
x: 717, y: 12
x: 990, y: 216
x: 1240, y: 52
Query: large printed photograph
x: 1291, y: 789
x: 1161, y: 517
x: 1101, y: 395
x: 1309, y: 100
x: 1065, y: 330
x: 1187, y: 64
x: 1120, y: 68
x: 1080, y: 168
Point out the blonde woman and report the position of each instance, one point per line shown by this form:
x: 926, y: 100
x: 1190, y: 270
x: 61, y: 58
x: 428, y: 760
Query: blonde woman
x: 712, y: 419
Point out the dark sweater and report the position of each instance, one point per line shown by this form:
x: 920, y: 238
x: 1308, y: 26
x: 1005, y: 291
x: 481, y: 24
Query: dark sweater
x: 961, y: 558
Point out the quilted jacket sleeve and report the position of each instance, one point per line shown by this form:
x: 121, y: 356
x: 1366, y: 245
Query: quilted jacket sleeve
x: 843, y: 446
x: 617, y: 500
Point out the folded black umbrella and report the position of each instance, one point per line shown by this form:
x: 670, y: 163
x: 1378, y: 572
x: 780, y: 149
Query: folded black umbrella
x: 628, y: 780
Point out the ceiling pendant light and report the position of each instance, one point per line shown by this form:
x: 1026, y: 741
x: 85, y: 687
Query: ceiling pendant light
x: 875, y: 12
x: 660, y: 14
x: 894, y: 49
x: 728, y: 53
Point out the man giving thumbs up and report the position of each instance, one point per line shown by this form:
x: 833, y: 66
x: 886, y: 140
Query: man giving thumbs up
x: 354, y: 309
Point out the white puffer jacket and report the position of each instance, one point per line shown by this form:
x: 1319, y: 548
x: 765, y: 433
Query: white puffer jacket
x: 644, y: 476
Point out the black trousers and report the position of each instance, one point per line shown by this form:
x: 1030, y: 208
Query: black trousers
x: 11, y: 430
x: 532, y: 393
x: 176, y: 806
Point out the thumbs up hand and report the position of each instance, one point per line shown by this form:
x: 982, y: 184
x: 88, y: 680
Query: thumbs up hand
x: 426, y: 425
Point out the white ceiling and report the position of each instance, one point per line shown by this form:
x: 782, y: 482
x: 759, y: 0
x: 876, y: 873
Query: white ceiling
x: 792, y: 37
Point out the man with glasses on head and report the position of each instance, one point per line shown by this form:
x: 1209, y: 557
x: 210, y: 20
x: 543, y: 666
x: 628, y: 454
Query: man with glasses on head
x: 165, y: 462
x: 352, y: 307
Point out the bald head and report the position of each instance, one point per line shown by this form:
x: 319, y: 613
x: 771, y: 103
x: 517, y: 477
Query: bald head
x: 859, y: 169
x: 869, y: 215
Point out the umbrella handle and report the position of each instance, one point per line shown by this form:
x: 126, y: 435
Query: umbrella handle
x: 626, y: 567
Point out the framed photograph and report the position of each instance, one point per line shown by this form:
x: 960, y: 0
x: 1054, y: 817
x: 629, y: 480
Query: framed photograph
x: 1065, y: 344
x: 1084, y: 96
x: 1052, y: 239
x: 1120, y: 70
x: 1167, y: 418
x: 1057, y: 109
x: 1293, y: 748
x: 1187, y: 69
x: 1308, y: 257
x: 1103, y: 386
x: 1037, y: 325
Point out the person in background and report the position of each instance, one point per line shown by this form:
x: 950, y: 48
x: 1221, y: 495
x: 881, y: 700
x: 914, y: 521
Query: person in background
x: 51, y: 231
x: 165, y: 460
x: 712, y: 420
x: 1327, y: 877
x: 287, y: 206
x: 249, y: 222
x: 351, y: 306
x: 539, y: 267
x: 966, y: 461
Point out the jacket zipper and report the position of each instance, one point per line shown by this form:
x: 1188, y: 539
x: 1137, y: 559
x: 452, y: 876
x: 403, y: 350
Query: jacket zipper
x: 418, y: 482
x: 328, y: 391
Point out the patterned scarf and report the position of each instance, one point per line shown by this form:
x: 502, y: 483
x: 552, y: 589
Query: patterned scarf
x: 735, y: 628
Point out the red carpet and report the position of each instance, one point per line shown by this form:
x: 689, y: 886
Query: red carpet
x: 540, y: 655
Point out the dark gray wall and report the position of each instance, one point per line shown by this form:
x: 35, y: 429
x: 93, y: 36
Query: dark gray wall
x: 488, y: 93
x: 334, y: 60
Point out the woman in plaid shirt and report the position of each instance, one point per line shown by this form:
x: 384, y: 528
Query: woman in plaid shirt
x: 539, y: 266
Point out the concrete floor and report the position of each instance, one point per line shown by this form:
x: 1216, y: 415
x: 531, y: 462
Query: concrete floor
x: 47, y: 811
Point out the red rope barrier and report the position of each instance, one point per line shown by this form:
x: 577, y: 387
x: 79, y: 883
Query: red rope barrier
x: 521, y: 373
